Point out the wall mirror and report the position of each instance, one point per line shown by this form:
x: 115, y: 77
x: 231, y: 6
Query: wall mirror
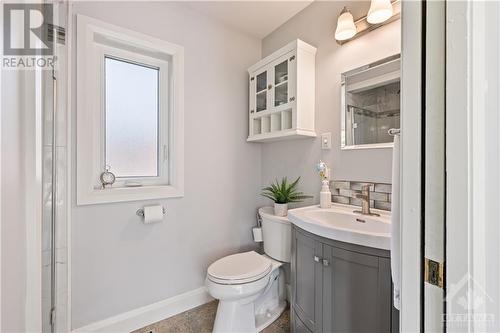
x: 370, y: 104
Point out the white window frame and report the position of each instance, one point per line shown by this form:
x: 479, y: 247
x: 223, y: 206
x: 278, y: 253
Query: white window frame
x: 163, y: 111
x: 95, y: 41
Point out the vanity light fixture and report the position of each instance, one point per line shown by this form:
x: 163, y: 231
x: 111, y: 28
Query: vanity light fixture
x: 381, y: 12
x: 345, y: 26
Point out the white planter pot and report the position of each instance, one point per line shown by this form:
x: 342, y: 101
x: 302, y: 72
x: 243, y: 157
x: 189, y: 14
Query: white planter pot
x: 280, y: 209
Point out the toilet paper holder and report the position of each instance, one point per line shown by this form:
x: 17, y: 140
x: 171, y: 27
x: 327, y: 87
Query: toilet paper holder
x: 140, y: 211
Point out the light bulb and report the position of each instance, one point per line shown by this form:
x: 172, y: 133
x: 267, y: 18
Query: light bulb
x: 346, y: 28
x: 380, y: 11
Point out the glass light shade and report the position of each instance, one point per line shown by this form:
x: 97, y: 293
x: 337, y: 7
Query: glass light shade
x: 346, y: 28
x: 380, y: 11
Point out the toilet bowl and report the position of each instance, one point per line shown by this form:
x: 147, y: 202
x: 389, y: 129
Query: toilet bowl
x: 250, y: 287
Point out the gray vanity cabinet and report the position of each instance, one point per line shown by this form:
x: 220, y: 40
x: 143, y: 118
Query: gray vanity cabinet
x: 306, y: 279
x: 339, y: 287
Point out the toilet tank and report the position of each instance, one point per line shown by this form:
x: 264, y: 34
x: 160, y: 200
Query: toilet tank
x: 277, y: 235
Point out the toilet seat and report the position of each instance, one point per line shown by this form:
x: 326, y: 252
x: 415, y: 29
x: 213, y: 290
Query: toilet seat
x: 239, y: 268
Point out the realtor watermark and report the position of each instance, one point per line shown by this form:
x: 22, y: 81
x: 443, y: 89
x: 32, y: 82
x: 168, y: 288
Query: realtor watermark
x: 468, y: 303
x: 27, y: 40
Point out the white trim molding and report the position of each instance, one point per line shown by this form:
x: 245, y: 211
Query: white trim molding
x: 410, y: 162
x: 33, y: 156
x: 94, y: 40
x: 149, y: 314
x: 473, y: 155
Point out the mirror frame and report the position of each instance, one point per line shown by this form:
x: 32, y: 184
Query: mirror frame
x: 343, y: 146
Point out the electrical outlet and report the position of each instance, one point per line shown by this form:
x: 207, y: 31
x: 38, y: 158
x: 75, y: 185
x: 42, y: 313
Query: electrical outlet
x: 326, y: 140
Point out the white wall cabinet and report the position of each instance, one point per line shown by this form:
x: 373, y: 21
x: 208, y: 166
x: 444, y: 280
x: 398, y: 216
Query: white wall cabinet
x: 281, y: 98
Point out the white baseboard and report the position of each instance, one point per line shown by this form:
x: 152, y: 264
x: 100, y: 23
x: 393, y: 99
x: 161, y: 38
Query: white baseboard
x: 149, y: 314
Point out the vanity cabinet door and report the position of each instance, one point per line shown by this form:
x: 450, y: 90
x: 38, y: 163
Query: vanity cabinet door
x: 306, y: 282
x: 356, y: 292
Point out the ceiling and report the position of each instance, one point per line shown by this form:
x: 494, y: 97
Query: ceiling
x: 256, y: 18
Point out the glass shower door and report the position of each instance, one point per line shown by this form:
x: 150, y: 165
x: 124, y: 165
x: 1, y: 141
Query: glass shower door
x: 49, y: 179
x: 52, y: 91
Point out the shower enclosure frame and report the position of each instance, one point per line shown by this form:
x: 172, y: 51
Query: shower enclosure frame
x: 41, y: 85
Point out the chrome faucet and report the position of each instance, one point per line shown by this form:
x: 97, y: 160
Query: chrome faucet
x: 365, y: 201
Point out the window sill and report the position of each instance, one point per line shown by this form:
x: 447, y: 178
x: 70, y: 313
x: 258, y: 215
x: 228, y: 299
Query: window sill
x: 122, y: 194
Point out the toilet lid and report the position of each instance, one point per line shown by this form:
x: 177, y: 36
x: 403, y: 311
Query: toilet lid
x: 240, y: 268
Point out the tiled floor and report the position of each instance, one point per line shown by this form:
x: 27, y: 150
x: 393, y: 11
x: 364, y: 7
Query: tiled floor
x: 201, y: 320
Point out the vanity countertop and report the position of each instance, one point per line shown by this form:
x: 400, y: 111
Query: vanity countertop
x: 340, y: 223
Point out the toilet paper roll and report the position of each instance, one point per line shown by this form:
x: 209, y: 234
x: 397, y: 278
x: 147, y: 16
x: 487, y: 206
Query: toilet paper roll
x: 153, y: 214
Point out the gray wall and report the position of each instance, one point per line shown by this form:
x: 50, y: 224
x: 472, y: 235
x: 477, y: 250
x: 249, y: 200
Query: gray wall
x: 316, y: 25
x: 118, y: 263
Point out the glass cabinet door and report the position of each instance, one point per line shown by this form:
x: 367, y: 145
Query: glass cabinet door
x: 281, y: 78
x: 261, y: 92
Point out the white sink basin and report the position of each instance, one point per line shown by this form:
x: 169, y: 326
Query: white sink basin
x: 341, y: 224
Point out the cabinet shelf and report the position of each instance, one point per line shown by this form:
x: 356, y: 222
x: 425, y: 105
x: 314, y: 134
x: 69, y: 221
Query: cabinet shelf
x: 278, y: 123
x: 281, y: 135
x: 260, y: 114
x: 280, y: 84
x: 281, y: 106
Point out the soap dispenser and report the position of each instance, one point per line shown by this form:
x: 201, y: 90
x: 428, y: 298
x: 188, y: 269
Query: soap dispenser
x: 325, y: 196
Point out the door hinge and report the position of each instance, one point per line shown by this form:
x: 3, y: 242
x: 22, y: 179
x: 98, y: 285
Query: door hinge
x: 434, y: 272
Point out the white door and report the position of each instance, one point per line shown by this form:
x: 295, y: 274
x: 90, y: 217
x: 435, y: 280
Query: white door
x: 434, y: 165
x: 473, y: 166
x: 422, y: 166
x: 450, y: 64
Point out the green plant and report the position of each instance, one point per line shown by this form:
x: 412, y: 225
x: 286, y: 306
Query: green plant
x: 284, y: 192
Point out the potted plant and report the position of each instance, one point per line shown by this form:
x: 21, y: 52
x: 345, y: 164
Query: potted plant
x: 283, y: 193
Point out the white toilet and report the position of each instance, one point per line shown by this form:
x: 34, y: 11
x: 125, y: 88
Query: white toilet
x: 250, y: 287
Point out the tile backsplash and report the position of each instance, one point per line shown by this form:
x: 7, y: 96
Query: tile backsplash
x: 343, y: 192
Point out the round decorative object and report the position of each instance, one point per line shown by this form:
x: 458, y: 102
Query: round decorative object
x: 107, y: 177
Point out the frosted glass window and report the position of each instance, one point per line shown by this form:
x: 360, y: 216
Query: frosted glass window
x: 132, y: 114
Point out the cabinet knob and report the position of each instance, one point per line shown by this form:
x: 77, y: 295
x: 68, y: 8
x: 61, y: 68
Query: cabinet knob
x: 326, y: 262
x: 292, y: 99
x: 251, y: 111
x: 317, y: 259
x: 270, y: 86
